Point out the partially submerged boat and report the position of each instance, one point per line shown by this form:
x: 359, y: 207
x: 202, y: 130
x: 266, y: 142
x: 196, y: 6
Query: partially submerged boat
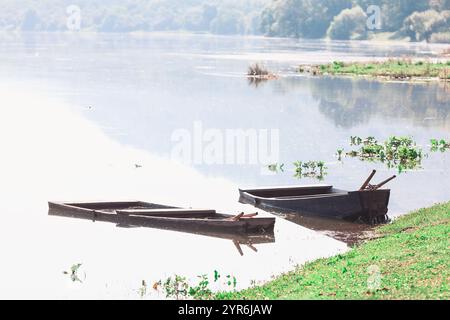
x: 368, y: 204
x: 144, y: 214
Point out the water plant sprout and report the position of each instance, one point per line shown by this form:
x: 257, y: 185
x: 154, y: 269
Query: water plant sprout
x: 397, y: 151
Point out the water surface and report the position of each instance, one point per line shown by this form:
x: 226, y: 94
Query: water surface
x: 78, y: 112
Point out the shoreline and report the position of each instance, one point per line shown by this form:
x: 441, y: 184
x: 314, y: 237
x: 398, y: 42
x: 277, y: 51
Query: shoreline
x: 408, y: 260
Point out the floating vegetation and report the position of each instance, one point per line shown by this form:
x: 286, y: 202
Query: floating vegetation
x: 143, y: 289
x: 397, y: 152
x: 179, y: 288
x: 276, y: 167
x: 398, y: 69
x: 73, y: 273
x: 310, y: 169
x: 339, y: 154
x: 440, y: 145
x: 256, y: 70
x: 176, y: 287
x: 257, y: 74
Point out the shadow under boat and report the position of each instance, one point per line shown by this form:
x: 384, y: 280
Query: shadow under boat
x: 348, y: 232
x: 241, y: 230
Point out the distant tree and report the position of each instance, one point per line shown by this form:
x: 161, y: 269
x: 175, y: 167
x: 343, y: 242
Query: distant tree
x: 421, y: 25
x: 228, y: 21
x: 349, y: 24
x: 439, y: 5
x: 394, y: 12
x: 193, y: 20
x: 440, y: 37
x: 209, y: 13
x: 287, y: 18
x: 301, y: 18
x: 30, y: 20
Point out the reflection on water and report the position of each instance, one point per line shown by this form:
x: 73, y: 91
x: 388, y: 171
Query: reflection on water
x: 53, y: 153
x: 249, y: 239
x: 350, y: 233
x: 90, y: 117
x: 350, y: 103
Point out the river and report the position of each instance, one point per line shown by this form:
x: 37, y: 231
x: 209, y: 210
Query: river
x: 93, y: 117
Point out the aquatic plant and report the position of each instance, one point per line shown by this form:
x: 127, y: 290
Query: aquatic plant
x: 392, y: 69
x: 257, y: 74
x: 397, y: 152
x: 178, y: 287
x: 339, y: 154
x: 276, y: 167
x: 256, y: 70
x: 73, y: 273
x: 355, y: 141
x: 439, y: 145
x: 143, y: 289
x: 310, y: 169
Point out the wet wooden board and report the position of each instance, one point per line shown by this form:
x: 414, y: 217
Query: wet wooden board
x: 185, y: 213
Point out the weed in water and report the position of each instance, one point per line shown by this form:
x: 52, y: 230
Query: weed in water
x: 73, y: 273
x: 439, y: 145
x: 276, y: 167
x: 397, y: 152
x: 178, y: 287
x: 310, y: 169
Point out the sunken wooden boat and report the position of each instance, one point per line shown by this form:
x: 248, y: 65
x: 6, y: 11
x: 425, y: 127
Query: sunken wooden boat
x: 368, y: 204
x: 144, y: 214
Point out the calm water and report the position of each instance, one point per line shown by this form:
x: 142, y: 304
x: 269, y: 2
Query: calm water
x: 78, y: 112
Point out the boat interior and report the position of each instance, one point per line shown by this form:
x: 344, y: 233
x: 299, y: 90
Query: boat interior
x: 145, y: 209
x: 295, y: 192
x: 113, y: 206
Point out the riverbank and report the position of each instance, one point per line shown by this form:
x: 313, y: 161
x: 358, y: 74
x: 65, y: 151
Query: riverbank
x: 408, y: 260
x: 392, y: 69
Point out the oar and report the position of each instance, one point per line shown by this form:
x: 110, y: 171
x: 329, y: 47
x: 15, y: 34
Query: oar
x: 238, y: 217
x: 243, y: 216
x: 252, y: 247
x: 238, y: 247
x: 366, y: 183
x: 378, y: 186
x: 250, y: 215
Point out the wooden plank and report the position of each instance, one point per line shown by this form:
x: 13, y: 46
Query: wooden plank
x: 198, y: 213
x: 288, y: 188
x: 325, y: 195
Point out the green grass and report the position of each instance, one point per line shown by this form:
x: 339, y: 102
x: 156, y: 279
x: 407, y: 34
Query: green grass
x: 394, y: 68
x: 412, y: 255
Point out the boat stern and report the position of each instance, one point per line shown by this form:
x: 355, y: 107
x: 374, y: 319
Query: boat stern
x: 374, y: 205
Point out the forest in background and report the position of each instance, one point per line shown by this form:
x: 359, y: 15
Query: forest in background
x: 421, y: 20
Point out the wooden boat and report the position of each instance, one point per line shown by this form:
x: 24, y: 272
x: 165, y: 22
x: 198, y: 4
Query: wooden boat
x: 369, y: 203
x: 144, y: 214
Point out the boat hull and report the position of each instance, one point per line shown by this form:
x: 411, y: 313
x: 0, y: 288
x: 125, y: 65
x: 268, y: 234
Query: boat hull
x: 369, y: 206
x: 106, y: 212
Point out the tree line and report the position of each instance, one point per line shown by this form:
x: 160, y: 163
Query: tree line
x: 417, y: 20
x: 348, y: 19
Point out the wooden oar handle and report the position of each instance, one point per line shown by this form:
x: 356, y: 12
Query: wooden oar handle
x: 250, y: 215
x: 252, y: 247
x: 238, y: 247
x: 366, y: 183
x: 378, y: 186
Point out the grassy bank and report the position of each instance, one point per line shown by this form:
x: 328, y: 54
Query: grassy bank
x: 410, y: 258
x: 400, y: 69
